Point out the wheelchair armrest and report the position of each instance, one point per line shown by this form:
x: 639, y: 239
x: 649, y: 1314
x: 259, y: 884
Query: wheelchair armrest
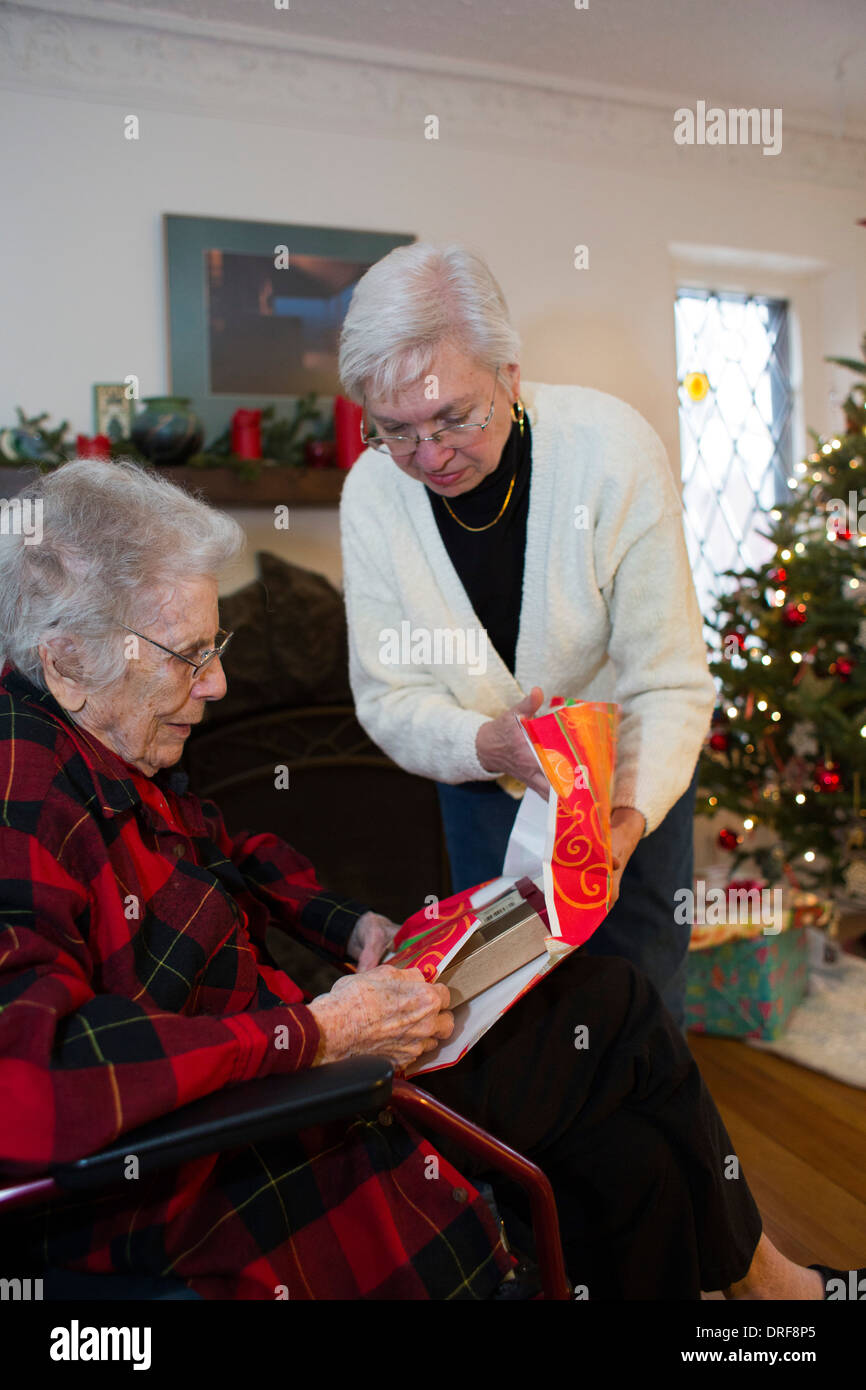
x: 249, y: 1113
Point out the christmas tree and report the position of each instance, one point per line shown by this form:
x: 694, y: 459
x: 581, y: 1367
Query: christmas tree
x: 787, y: 747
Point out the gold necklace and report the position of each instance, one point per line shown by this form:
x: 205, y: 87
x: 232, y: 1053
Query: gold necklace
x: 489, y: 523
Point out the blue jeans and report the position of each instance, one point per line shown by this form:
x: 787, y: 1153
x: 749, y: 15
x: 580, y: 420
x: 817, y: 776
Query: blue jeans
x: 478, y: 816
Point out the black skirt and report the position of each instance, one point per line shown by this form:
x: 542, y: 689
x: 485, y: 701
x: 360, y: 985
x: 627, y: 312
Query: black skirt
x: 589, y: 1076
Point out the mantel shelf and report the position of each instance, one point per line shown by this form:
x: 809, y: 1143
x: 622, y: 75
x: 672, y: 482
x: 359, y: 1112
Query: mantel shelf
x: 295, y: 487
x: 223, y: 487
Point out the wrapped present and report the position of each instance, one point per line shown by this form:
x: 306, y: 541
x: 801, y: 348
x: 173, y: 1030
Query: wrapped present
x: 575, y: 747
x: 747, y: 908
x: 748, y: 972
x: 492, y: 943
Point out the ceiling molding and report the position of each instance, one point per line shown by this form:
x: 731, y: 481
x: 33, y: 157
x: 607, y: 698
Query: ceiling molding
x: 227, y: 71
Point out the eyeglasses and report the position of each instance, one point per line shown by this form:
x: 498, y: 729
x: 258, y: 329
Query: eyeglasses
x: 451, y: 437
x: 205, y: 658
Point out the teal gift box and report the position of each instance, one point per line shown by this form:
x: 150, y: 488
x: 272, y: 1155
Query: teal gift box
x: 747, y: 988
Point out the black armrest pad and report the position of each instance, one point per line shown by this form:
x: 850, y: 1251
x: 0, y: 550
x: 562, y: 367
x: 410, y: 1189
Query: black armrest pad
x: 246, y: 1114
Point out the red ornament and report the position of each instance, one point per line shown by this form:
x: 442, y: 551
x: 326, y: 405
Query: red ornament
x: 738, y: 637
x: 827, y: 777
x: 844, y: 667
x: 320, y: 453
x: 794, y: 614
x: 742, y: 885
x: 720, y: 743
x: 778, y: 576
x: 728, y: 839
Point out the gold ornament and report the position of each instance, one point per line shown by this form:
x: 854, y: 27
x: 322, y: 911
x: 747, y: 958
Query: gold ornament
x: 697, y: 385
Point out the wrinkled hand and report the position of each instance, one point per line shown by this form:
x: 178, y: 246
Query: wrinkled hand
x: 502, y: 747
x: 371, y: 937
x: 626, y: 831
x: 385, y: 1012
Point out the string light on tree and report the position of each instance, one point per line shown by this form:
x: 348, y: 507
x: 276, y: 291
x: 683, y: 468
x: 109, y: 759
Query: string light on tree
x: 787, y: 734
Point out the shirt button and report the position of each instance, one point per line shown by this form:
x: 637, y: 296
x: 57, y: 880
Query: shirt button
x: 460, y: 1194
x: 385, y: 1117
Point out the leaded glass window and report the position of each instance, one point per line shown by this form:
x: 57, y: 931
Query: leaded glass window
x: 735, y: 428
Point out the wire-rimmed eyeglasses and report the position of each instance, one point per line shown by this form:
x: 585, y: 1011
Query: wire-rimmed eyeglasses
x: 205, y: 658
x: 451, y: 436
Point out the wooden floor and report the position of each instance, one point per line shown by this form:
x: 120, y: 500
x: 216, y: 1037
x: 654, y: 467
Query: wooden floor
x: 801, y: 1140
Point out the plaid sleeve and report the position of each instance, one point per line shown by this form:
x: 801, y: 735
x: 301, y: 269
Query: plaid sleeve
x: 78, y: 1068
x: 283, y: 882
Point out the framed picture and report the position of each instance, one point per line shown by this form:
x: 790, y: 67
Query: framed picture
x: 255, y: 309
x: 112, y: 412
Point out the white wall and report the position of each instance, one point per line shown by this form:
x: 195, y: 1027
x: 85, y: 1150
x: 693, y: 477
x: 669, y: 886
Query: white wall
x: 524, y: 174
x: 83, y: 272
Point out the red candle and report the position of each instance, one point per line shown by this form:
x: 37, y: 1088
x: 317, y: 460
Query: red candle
x: 247, y: 434
x: 99, y: 447
x: 347, y: 431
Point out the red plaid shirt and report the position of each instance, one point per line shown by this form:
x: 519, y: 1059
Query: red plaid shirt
x: 134, y: 978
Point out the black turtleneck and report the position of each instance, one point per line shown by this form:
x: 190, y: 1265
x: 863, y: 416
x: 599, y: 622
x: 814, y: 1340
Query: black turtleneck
x: 489, y: 563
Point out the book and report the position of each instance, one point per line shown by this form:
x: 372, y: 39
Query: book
x: 476, y: 946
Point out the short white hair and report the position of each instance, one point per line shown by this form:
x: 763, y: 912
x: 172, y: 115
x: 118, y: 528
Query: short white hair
x: 114, y: 537
x: 410, y: 303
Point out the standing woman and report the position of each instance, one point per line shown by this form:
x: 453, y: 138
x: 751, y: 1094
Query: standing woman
x: 505, y: 543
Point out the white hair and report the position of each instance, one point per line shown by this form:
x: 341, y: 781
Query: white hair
x: 114, y: 537
x: 412, y: 301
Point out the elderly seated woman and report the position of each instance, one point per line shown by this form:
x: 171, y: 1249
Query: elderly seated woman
x: 134, y: 978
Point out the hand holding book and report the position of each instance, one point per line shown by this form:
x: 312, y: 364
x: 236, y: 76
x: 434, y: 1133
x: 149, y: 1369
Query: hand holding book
x: 384, y: 1012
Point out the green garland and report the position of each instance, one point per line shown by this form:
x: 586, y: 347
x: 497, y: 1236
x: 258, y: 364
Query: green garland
x: 283, y: 441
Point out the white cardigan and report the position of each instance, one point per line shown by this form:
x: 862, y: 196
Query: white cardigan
x: 608, y: 609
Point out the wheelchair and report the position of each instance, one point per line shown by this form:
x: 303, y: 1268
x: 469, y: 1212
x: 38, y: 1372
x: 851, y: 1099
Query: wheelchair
x: 273, y: 1106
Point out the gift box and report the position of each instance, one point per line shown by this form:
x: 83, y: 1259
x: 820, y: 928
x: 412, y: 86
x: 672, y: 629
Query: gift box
x: 746, y: 975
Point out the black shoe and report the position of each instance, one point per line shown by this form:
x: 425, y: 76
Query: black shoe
x: 827, y: 1273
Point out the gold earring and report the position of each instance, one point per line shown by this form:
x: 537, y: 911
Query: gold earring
x: 518, y: 413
